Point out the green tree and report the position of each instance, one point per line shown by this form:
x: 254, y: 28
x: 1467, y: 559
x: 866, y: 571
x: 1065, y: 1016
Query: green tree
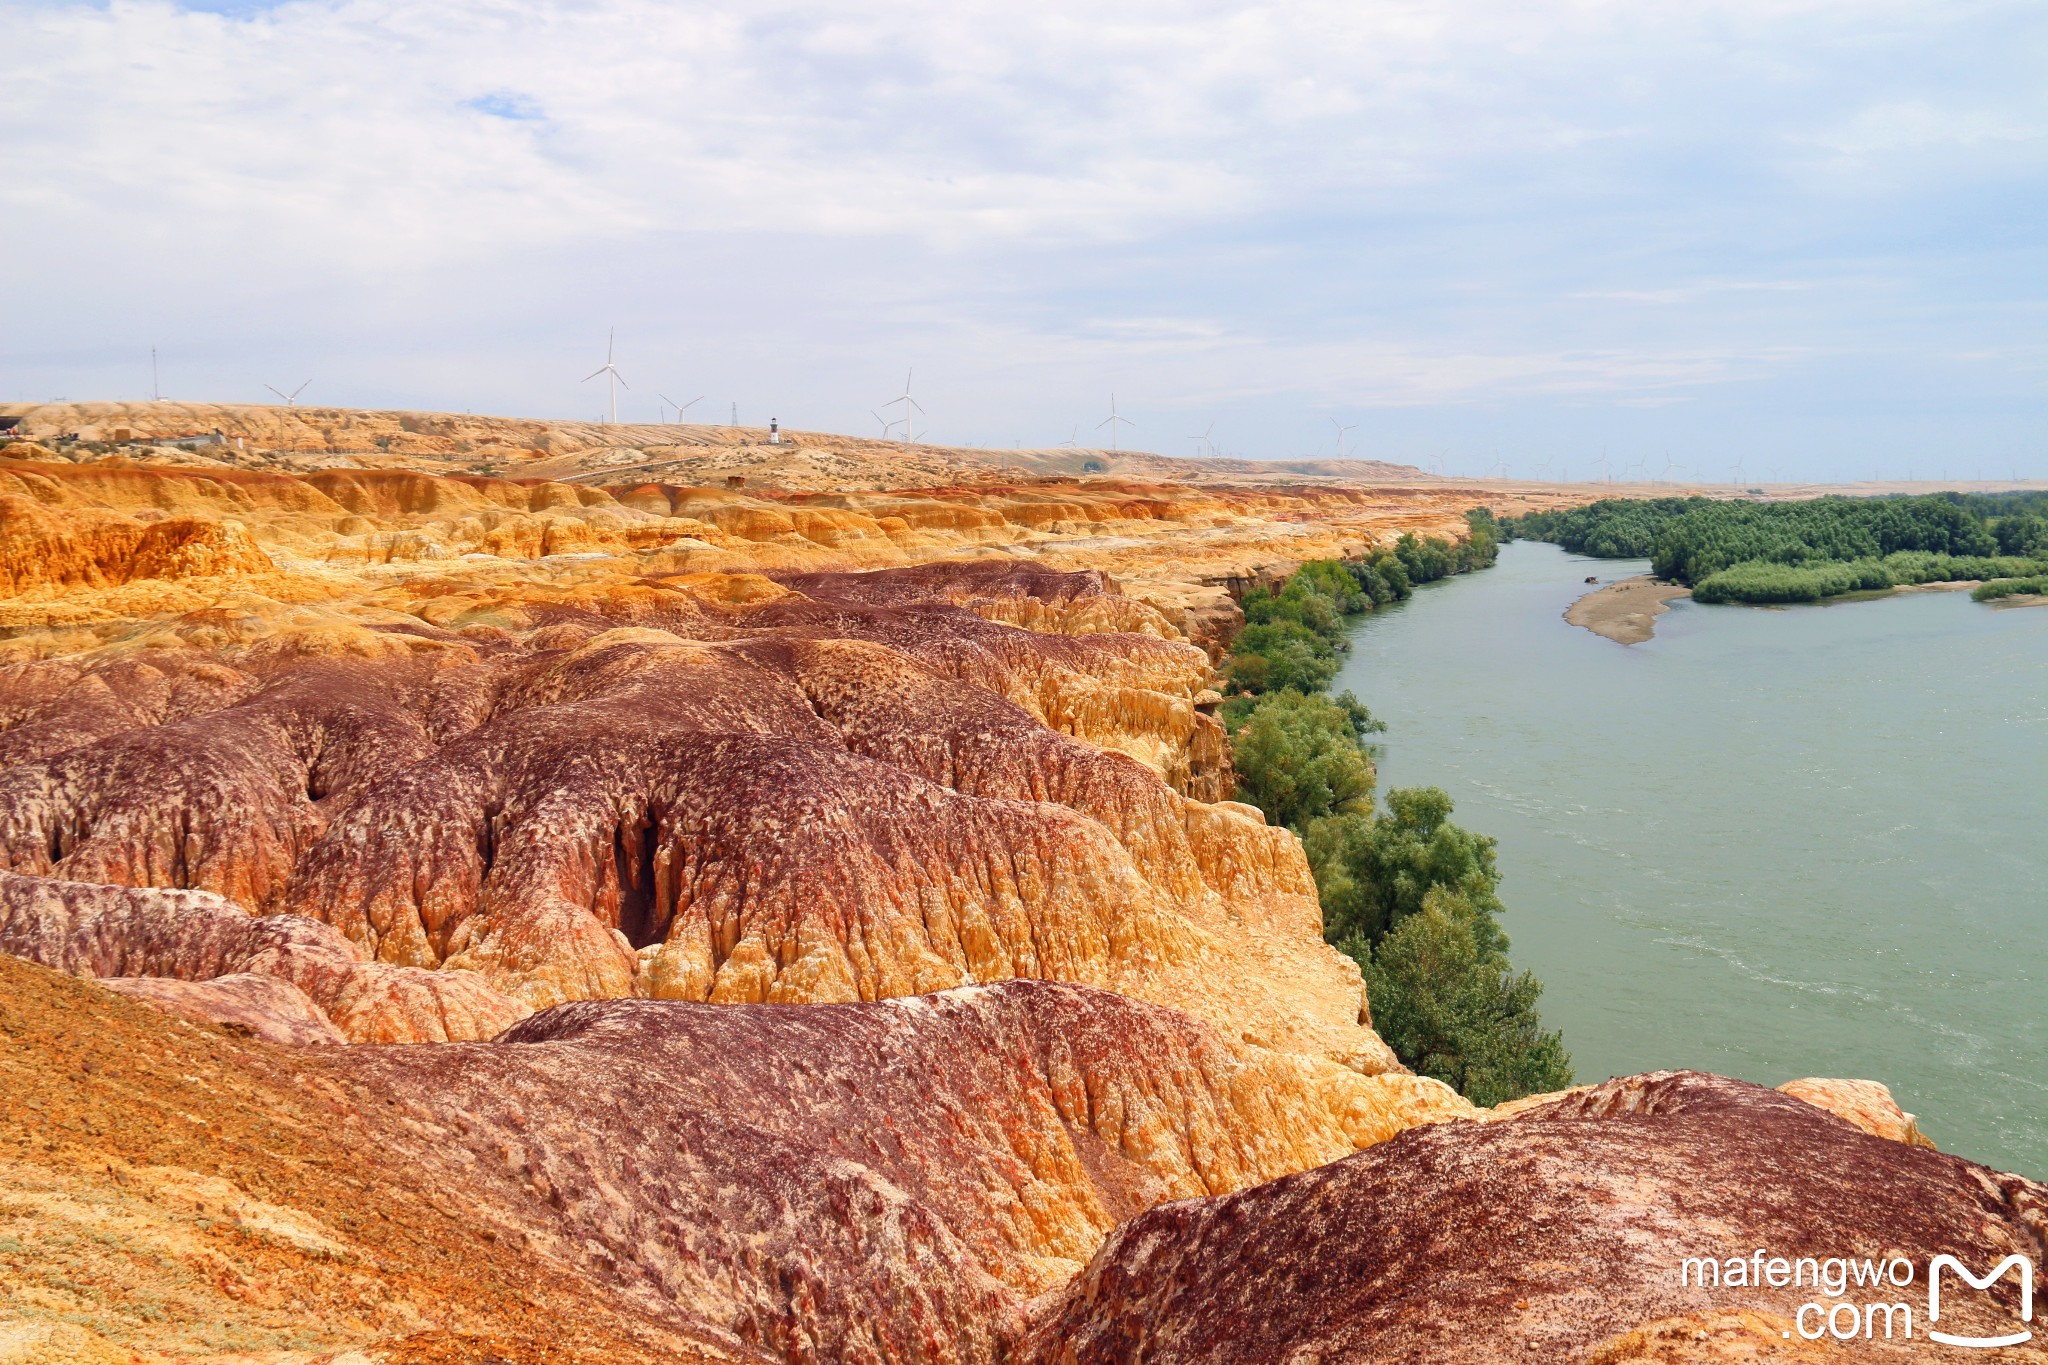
x: 1803, y: 551
x: 2026, y: 534
x: 1373, y: 871
x: 1446, y: 999
x: 1298, y: 757
x: 1279, y: 655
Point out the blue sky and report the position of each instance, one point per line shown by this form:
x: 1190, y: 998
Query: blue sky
x: 1808, y: 236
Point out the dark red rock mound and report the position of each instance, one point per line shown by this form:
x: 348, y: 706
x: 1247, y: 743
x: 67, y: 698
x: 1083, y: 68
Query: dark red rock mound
x: 1537, y: 1237
x: 283, y: 977
x: 220, y: 800
x: 869, y: 1182
x: 954, y: 580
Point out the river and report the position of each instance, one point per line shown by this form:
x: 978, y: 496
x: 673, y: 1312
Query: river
x: 1767, y: 843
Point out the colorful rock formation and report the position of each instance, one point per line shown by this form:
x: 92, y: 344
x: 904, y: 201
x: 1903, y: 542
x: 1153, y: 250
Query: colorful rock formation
x: 819, y: 925
x: 1555, y: 1234
x: 650, y: 791
x: 863, y: 1182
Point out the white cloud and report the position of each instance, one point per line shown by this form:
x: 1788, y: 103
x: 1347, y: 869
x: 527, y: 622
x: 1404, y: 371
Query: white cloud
x: 1412, y: 202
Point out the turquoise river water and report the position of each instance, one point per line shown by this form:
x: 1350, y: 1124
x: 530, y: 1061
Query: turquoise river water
x: 1768, y: 843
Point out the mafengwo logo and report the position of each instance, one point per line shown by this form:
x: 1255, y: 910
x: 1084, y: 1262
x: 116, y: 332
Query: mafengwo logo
x: 1879, y: 1312
x: 2016, y: 1262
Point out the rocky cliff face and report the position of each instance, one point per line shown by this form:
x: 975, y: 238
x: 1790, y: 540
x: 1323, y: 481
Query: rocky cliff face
x: 282, y: 977
x: 1557, y: 1234
x: 89, y: 549
x: 855, y: 1182
x: 174, y: 1192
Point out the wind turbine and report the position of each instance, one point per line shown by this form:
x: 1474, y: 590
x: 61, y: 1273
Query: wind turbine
x: 1114, y: 423
x: 1666, y: 477
x: 1073, y: 437
x: 680, y: 407
x: 611, y: 372
x: 886, y: 423
x: 909, y: 405
x: 1341, y: 429
x: 291, y: 400
x: 156, y: 393
x: 1606, y: 470
x: 1500, y: 468
x: 1737, y: 470
x: 1203, y: 440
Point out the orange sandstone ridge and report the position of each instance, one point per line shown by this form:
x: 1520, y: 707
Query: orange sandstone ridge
x: 817, y: 915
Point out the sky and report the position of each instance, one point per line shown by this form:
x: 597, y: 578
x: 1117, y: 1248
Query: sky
x: 1801, y: 238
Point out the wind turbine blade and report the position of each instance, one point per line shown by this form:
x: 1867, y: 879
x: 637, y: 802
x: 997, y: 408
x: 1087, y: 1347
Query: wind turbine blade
x: 913, y: 402
x: 666, y: 399
x: 1104, y: 422
x: 586, y: 378
x: 692, y: 403
x: 300, y: 389
x: 274, y: 389
x: 621, y: 378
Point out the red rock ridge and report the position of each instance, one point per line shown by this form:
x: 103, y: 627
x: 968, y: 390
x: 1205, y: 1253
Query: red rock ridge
x: 1540, y: 1236
x: 885, y: 1182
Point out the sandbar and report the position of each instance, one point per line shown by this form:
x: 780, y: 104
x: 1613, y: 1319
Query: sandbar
x: 1627, y: 611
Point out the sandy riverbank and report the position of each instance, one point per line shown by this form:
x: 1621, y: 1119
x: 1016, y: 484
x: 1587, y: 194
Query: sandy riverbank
x: 1626, y: 611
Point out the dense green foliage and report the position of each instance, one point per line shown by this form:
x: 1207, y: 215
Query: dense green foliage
x: 1373, y: 871
x: 1298, y: 758
x: 1729, y: 551
x: 2008, y: 587
x: 1759, y: 581
x: 1276, y: 656
x: 1292, y: 637
x: 1407, y: 893
x: 1450, y: 1005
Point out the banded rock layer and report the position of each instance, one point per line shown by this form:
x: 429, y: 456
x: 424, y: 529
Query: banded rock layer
x: 697, y: 788
x: 89, y: 550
